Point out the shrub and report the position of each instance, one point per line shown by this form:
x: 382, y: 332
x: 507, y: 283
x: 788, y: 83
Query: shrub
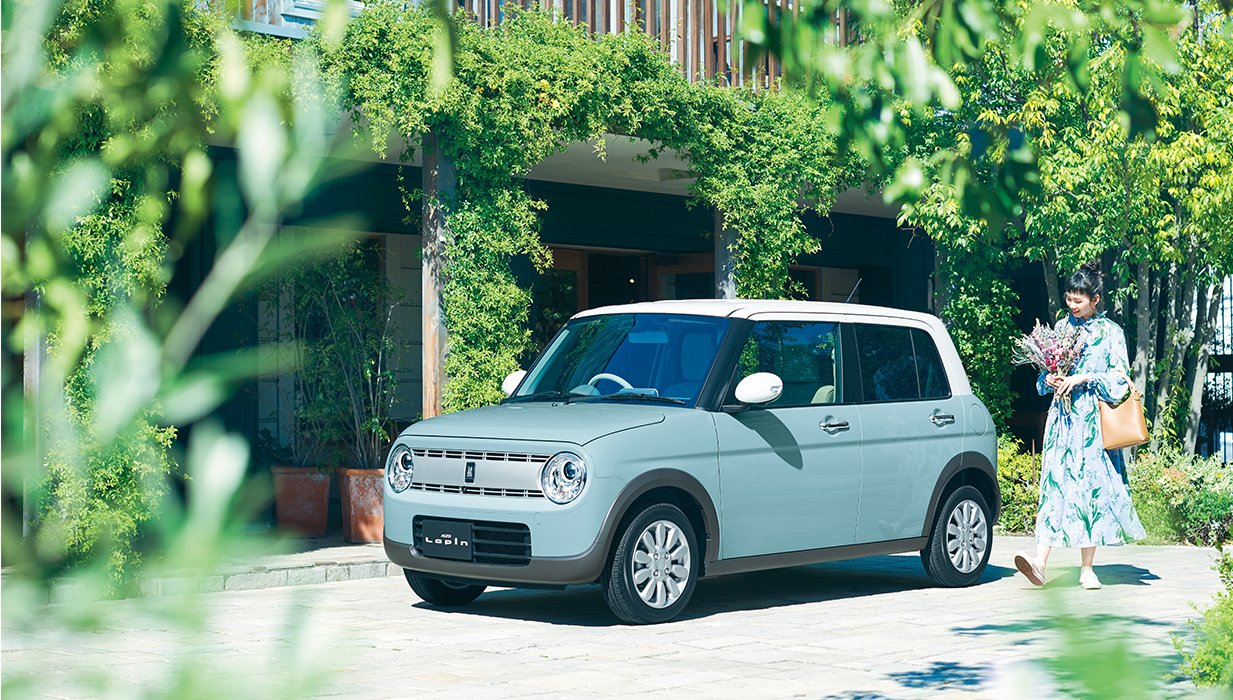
x: 1211, y: 664
x: 1019, y: 481
x: 1182, y: 497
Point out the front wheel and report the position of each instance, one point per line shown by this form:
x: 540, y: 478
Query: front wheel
x: 654, y: 567
x: 443, y: 593
x: 960, y: 542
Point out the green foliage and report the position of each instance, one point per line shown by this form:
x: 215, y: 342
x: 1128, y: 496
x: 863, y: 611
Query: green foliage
x: 1019, y: 482
x: 106, y: 109
x: 1211, y: 662
x: 1182, y: 497
x: 528, y: 88
x: 978, y: 310
x: 308, y: 396
x: 1155, y: 206
x: 910, y: 53
x: 355, y: 302
x: 1095, y: 660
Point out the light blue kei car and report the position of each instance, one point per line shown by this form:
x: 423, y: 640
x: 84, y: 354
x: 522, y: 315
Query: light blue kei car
x: 651, y: 444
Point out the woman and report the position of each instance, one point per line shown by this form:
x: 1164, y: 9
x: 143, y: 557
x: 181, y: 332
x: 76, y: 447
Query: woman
x: 1084, y: 501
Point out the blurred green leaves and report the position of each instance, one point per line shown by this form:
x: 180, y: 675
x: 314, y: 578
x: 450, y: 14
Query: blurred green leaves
x: 116, y: 114
x: 906, y: 60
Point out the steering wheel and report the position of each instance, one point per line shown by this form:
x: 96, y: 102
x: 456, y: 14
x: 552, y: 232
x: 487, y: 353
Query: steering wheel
x: 606, y: 375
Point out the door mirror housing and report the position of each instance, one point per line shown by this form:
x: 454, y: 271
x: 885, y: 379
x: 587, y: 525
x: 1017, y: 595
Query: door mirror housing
x: 510, y: 384
x: 759, y: 388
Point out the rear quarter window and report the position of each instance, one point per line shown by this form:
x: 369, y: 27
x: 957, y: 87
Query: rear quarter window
x: 899, y: 364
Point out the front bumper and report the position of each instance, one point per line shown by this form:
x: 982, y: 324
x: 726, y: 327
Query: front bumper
x: 539, y: 571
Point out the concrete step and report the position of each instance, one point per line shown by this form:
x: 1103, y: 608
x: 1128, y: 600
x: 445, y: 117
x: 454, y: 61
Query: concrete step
x: 308, y: 561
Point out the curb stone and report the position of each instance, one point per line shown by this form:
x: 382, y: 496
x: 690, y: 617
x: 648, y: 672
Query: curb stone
x: 318, y: 561
x: 259, y: 577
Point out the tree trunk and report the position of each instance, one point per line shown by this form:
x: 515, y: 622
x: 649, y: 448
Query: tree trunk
x: 725, y: 266
x: 941, y: 295
x: 1144, y: 340
x: 1179, y: 334
x: 1205, y: 330
x: 439, y: 179
x: 1164, y: 377
x: 1051, y: 286
x: 1114, y: 301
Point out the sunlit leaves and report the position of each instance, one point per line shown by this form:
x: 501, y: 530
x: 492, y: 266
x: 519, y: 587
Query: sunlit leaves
x: 908, y: 56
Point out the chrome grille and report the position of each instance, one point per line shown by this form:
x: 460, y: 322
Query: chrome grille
x: 486, y: 456
x: 478, y: 491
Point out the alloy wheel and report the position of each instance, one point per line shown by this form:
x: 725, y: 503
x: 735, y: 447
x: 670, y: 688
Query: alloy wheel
x: 967, y: 536
x: 660, y: 564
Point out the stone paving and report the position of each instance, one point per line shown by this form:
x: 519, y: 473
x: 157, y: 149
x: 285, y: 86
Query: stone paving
x: 869, y: 628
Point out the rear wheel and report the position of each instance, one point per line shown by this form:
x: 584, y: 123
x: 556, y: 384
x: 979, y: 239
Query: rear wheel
x: 654, y: 567
x: 444, y: 593
x: 959, y: 544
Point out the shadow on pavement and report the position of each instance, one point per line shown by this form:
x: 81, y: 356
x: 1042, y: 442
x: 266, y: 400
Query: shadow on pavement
x: 585, y: 606
x: 1046, y: 622
x: 1110, y: 575
x: 942, y: 675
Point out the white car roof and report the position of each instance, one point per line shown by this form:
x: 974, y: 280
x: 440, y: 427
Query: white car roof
x: 746, y: 308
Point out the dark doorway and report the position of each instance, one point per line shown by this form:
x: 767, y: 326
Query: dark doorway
x: 615, y: 279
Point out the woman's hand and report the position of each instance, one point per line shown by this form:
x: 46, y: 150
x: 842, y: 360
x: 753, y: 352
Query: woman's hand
x: 1065, y: 384
x: 1053, y: 381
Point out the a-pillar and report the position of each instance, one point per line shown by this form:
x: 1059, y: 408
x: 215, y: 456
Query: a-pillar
x: 725, y: 265
x: 438, y: 186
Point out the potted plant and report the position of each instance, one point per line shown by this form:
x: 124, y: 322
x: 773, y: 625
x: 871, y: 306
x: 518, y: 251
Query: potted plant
x: 357, y: 304
x: 303, y: 402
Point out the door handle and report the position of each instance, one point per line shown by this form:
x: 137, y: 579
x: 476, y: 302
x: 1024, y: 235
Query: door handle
x: 839, y: 425
x: 942, y: 419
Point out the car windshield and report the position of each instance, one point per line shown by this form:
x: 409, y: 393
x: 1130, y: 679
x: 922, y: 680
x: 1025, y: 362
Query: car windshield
x: 628, y: 357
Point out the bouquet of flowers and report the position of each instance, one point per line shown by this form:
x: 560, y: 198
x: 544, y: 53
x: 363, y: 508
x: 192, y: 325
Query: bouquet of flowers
x: 1054, y: 350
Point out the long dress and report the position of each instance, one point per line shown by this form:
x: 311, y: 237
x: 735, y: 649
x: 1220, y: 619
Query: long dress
x: 1084, y: 500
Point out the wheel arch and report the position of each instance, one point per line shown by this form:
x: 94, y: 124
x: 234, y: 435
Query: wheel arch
x: 968, y: 468
x: 666, y: 486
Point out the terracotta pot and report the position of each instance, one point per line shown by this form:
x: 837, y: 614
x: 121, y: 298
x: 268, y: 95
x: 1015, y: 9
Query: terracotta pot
x: 360, y: 491
x: 301, y: 499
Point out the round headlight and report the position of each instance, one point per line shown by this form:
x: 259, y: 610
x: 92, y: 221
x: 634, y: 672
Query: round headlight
x: 563, y: 477
x: 398, y: 468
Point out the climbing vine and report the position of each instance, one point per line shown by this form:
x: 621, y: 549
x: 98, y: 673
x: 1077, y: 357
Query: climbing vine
x: 527, y: 89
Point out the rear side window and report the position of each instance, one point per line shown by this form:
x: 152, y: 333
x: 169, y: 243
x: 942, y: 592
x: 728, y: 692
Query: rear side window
x: 899, y: 364
x: 804, y: 354
x: 929, y: 370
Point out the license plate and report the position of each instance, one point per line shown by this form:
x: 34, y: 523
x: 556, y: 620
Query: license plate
x: 446, y: 540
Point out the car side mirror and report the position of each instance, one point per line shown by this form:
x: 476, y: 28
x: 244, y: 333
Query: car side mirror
x: 510, y: 384
x: 759, y: 388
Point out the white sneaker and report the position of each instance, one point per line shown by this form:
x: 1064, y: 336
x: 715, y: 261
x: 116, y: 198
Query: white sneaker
x: 1030, y: 568
x: 1087, y: 579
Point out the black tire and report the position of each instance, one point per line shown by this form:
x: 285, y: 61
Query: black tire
x: 656, y: 586
x: 961, y: 539
x: 443, y: 593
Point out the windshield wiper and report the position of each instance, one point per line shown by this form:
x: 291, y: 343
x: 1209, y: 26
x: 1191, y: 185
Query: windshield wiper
x: 633, y: 396
x: 543, y: 396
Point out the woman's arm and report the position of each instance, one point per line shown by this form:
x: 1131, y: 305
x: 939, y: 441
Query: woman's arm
x: 1042, y: 383
x: 1109, y: 383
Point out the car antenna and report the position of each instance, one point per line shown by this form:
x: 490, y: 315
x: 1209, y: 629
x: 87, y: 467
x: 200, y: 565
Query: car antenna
x: 858, y: 286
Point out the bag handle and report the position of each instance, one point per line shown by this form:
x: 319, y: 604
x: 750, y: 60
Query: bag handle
x: 1134, y: 391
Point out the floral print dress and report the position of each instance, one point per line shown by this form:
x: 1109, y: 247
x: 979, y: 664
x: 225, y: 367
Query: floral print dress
x: 1084, y: 501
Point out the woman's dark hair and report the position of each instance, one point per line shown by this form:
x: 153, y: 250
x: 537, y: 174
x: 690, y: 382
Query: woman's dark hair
x: 1086, y: 281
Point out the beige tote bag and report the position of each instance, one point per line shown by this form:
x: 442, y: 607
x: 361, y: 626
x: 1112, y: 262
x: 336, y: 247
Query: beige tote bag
x: 1123, y: 425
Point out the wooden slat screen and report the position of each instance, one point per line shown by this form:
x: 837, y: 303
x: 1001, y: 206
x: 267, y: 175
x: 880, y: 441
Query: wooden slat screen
x: 698, y: 34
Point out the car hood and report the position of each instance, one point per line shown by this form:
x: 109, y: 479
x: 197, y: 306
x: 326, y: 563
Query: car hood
x: 542, y: 421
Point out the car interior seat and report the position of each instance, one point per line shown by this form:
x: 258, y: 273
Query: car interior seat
x: 697, y: 351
